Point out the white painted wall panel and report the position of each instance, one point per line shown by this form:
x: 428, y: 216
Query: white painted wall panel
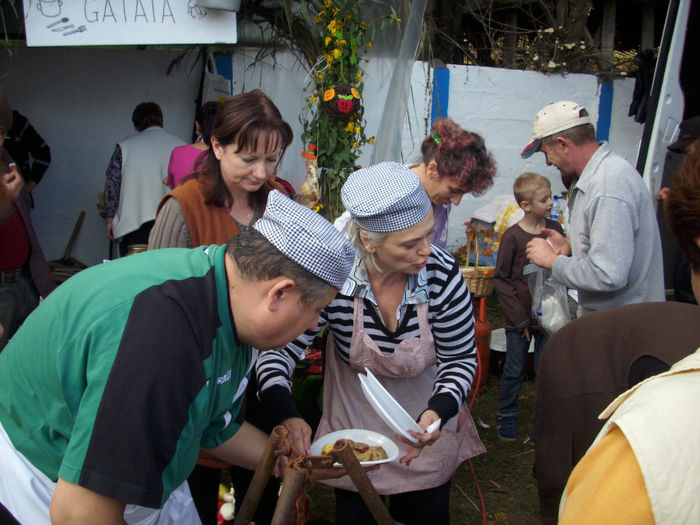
x: 81, y: 99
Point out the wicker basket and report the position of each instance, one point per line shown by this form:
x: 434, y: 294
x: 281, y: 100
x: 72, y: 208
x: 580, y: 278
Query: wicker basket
x: 479, y: 279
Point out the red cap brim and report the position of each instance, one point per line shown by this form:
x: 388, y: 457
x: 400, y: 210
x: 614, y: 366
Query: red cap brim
x: 531, y: 149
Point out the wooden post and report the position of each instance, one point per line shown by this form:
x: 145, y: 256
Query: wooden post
x: 261, y: 476
x: 607, y: 43
x: 647, y: 27
x: 510, y: 38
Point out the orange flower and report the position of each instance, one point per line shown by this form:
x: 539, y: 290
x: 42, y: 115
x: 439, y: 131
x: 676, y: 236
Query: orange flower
x: 328, y: 94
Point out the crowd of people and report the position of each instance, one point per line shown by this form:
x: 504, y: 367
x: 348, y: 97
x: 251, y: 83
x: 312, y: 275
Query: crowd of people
x: 135, y: 382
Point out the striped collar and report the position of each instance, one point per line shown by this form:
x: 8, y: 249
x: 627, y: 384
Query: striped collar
x: 357, y: 285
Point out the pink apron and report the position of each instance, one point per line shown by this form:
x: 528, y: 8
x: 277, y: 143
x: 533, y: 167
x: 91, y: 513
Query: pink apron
x: 409, y: 374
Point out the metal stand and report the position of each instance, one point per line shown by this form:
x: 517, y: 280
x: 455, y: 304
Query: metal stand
x: 300, y: 470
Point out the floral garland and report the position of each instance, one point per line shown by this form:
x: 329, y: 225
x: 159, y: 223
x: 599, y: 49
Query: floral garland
x: 333, y: 116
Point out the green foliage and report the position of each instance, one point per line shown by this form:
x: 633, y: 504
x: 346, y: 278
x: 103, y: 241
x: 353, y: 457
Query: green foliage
x: 343, y: 38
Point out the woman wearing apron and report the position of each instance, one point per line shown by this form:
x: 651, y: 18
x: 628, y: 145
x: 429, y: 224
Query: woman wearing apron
x: 406, y: 314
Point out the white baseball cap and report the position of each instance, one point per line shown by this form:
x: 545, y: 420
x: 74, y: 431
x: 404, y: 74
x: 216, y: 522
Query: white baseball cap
x: 552, y: 119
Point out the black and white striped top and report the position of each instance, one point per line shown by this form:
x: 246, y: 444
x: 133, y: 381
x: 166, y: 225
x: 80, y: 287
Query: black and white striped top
x: 449, y: 314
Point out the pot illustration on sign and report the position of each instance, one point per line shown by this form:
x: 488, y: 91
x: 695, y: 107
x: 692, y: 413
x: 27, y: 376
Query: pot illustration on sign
x: 50, y: 8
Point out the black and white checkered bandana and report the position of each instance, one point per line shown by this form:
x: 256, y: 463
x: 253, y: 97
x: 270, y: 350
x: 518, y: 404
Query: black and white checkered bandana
x: 306, y: 238
x: 386, y: 197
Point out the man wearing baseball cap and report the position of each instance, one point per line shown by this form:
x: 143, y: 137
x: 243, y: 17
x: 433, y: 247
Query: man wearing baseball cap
x: 110, y: 388
x: 612, y: 256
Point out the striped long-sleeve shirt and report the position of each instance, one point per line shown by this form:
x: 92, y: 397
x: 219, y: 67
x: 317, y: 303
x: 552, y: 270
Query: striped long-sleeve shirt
x: 451, y: 320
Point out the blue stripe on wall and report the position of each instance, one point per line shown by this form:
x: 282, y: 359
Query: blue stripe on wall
x: 224, y: 65
x: 604, y: 111
x: 441, y: 93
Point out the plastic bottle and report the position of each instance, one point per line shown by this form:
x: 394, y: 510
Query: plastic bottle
x: 556, y: 210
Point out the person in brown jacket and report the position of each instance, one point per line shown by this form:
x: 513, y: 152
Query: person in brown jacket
x: 229, y: 192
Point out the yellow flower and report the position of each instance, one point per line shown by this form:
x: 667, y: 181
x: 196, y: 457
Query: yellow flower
x: 371, y: 140
x: 319, y: 16
x: 398, y: 20
x: 358, y: 78
x: 329, y: 58
x: 333, y: 26
x: 341, y: 43
x: 357, y: 128
x: 337, y: 53
x: 336, y: 10
x: 354, y: 144
x: 327, y: 41
x: 369, y: 45
x: 314, y: 98
x: 327, y: 3
x: 349, y: 127
x: 319, y: 74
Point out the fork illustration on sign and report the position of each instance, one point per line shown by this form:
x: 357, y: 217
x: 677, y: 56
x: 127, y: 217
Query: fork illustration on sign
x: 78, y: 30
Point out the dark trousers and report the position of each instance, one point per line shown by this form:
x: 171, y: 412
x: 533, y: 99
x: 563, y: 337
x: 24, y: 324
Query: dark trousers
x: 204, y: 486
x: 17, y: 300
x: 420, y: 507
x: 514, y: 371
x: 139, y: 236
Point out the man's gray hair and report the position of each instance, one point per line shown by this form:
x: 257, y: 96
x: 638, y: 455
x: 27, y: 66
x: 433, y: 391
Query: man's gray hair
x: 259, y: 260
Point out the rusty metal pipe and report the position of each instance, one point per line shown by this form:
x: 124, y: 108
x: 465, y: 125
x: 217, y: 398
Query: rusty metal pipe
x: 364, y: 485
x: 292, y: 485
x: 261, y: 477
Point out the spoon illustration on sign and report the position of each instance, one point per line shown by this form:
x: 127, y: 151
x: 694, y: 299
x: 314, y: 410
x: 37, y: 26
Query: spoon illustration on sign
x: 61, y: 21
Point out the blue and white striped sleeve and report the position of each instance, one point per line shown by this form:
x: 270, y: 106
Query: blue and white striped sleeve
x: 452, y: 324
x: 274, y: 370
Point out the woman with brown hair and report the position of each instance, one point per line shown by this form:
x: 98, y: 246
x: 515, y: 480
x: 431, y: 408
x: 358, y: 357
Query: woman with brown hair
x: 682, y: 208
x: 229, y: 192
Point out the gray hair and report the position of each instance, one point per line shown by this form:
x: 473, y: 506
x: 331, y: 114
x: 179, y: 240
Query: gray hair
x: 259, y: 260
x: 356, y: 233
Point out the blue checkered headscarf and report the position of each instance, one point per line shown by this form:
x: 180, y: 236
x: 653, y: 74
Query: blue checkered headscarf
x: 386, y: 197
x: 306, y: 238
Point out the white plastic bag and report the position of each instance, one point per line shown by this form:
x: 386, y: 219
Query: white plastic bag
x: 549, y: 300
x: 215, y: 87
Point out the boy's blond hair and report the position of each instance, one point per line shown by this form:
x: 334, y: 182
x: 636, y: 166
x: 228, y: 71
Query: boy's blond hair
x: 527, y: 184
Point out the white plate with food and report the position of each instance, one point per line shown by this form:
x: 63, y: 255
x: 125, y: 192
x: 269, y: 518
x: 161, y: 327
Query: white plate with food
x: 387, y: 407
x: 368, y: 444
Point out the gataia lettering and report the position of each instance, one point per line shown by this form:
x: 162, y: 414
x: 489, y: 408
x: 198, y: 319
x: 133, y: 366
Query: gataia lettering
x: 129, y: 11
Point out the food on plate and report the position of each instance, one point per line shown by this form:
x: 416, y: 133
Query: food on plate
x: 362, y: 451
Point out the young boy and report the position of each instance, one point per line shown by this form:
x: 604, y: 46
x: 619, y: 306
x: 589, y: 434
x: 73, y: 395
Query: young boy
x: 533, y: 193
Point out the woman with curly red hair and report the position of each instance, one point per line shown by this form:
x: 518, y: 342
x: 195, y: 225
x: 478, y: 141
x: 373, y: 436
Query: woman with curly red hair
x: 453, y: 162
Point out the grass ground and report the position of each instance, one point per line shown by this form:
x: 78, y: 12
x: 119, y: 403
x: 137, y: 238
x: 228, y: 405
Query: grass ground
x: 503, y: 475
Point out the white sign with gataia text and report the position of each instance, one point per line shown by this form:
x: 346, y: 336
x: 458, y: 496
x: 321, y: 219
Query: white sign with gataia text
x: 125, y: 22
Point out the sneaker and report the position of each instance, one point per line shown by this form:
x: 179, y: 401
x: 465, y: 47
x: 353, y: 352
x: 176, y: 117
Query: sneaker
x: 505, y: 427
